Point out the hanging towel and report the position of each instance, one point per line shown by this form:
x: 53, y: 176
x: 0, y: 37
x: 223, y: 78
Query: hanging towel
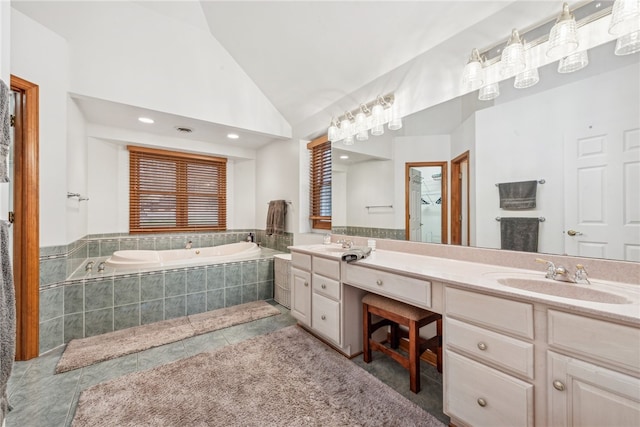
x: 7, y: 319
x: 275, y: 217
x: 519, y: 234
x: 5, y: 131
x: 518, y: 195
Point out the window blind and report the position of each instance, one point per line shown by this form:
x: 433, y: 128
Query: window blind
x: 172, y: 191
x: 320, y: 183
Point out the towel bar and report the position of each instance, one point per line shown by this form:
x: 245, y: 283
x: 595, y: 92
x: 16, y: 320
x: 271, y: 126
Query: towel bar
x: 379, y: 206
x: 541, y: 219
x: 286, y: 201
x: 540, y: 181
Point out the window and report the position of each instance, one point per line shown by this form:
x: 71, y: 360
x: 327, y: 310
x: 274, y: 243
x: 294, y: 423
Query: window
x: 320, y: 183
x: 171, y: 191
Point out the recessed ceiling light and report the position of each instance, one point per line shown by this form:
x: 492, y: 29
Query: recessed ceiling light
x: 145, y: 120
x: 233, y: 136
x: 344, y: 157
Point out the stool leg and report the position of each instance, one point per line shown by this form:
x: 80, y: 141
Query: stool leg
x: 395, y: 335
x: 414, y: 357
x: 439, y: 351
x: 366, y: 334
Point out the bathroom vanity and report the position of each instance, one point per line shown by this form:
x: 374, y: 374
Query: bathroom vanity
x: 520, y: 350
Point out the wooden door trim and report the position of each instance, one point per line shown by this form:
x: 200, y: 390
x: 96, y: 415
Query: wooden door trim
x: 26, y: 239
x: 444, y: 224
x: 456, y: 196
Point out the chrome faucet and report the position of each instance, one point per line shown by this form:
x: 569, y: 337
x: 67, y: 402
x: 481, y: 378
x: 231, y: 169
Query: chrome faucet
x: 561, y: 274
x: 101, y: 267
x: 188, y: 245
x: 89, y: 266
x: 581, y: 274
x: 346, y: 244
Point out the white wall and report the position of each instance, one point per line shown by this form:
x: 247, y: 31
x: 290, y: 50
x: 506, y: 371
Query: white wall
x: 369, y: 185
x: 241, y: 197
x: 77, y: 163
x: 41, y: 57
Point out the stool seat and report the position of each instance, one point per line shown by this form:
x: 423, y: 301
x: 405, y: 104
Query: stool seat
x: 395, y: 313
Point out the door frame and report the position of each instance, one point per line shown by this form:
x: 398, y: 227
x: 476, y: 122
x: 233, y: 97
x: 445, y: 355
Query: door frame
x: 26, y: 235
x: 444, y: 223
x: 456, y: 199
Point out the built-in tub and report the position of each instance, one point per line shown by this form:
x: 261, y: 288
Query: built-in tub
x: 133, y: 259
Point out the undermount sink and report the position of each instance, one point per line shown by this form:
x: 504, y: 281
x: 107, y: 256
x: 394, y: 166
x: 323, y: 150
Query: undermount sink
x: 556, y: 288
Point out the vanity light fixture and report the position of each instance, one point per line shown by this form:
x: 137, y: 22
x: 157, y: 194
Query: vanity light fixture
x: 512, y: 59
x: 473, y: 75
x: 368, y: 117
x: 625, y: 23
x: 574, y: 62
x: 527, y: 78
x: 489, y: 92
x: 563, y: 38
x: 146, y: 120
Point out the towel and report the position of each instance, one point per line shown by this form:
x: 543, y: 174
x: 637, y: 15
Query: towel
x: 518, y: 195
x: 275, y: 217
x: 5, y: 131
x: 7, y: 319
x: 356, y: 253
x: 519, y: 234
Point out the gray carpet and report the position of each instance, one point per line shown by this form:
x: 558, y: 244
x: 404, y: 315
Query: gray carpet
x: 87, y: 351
x: 285, y: 378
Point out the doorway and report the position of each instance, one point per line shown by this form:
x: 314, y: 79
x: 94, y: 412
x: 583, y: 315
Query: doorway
x: 426, y: 202
x: 25, y: 200
x: 460, y: 222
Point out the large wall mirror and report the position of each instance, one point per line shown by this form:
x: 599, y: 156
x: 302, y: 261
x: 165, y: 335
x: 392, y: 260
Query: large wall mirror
x: 578, y: 133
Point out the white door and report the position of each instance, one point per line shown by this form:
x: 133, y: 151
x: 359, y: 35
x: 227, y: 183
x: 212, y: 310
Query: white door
x: 415, y: 205
x: 602, y: 189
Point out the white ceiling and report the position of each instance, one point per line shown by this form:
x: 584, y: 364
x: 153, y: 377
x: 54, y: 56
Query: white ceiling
x: 304, y: 56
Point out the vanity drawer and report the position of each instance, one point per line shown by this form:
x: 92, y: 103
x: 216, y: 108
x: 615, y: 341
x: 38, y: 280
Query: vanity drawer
x: 408, y: 289
x: 326, y: 267
x: 325, y: 314
x: 302, y: 261
x: 481, y: 396
x: 504, y: 351
x: 501, y: 314
x: 325, y: 286
x: 604, y: 341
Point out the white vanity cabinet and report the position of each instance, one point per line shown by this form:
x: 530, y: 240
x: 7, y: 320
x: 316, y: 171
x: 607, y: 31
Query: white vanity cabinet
x: 325, y: 298
x: 488, y: 360
x: 592, y: 372
x: 301, y: 287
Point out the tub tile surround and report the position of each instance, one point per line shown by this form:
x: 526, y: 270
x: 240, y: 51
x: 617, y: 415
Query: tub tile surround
x: 77, y: 304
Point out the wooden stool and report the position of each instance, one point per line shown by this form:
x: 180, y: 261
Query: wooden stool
x: 395, y: 313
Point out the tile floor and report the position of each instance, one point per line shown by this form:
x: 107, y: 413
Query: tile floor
x: 42, y: 399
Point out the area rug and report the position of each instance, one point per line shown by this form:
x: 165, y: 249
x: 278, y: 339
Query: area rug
x: 87, y: 351
x: 285, y: 378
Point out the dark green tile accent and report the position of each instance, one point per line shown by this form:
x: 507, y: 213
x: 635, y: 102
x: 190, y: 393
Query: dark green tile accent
x: 196, y: 303
x: 128, y: 244
x: 126, y: 290
x: 51, y: 304
x: 108, y: 247
x: 215, y: 299
x: 98, y: 322
x: 175, y: 283
x: 175, y: 307
x: 151, y: 311
x: 73, y: 299
x: 249, y: 292
x: 51, y: 334
x: 215, y: 277
x: 232, y: 275
x: 151, y: 286
x: 232, y: 296
x: 73, y: 326
x: 98, y: 295
x: 147, y: 243
x: 249, y: 272
x: 126, y: 316
x: 196, y: 280
x: 53, y: 270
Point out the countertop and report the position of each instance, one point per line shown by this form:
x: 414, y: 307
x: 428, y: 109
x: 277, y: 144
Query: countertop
x: 486, y: 278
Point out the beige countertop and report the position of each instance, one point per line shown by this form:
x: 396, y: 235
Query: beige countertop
x: 487, y: 278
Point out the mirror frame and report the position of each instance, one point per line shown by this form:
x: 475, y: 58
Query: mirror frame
x: 444, y: 223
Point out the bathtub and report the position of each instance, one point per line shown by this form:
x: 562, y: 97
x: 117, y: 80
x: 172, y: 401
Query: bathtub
x: 133, y: 259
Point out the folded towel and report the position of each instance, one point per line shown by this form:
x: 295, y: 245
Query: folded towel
x: 356, y: 253
x: 275, y: 217
x: 519, y: 234
x: 518, y: 195
x: 5, y: 131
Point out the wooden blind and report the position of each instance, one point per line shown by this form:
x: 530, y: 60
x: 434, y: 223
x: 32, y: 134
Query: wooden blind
x: 320, y: 183
x: 171, y: 191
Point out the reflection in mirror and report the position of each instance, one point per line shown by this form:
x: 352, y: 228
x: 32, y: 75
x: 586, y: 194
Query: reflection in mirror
x: 578, y: 131
x: 426, y: 202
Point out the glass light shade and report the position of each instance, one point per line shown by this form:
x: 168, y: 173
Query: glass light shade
x: 395, y: 121
x: 625, y: 17
x: 348, y: 140
x: 473, y: 75
x: 628, y: 44
x: 377, y: 114
x: 513, y: 57
x: 563, y: 38
x: 574, y: 62
x: 345, y: 127
x: 362, y: 135
x: 489, y: 92
x: 527, y: 78
x: 332, y: 132
x: 361, y: 121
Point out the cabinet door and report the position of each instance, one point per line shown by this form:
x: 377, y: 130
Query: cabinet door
x: 583, y: 394
x: 301, y: 295
x: 326, y: 317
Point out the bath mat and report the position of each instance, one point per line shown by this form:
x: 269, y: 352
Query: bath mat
x: 285, y: 378
x: 87, y: 351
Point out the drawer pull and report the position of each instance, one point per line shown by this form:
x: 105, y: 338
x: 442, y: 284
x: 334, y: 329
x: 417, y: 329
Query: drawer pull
x: 306, y: 283
x: 323, y: 286
x: 558, y: 385
x: 482, y: 402
x: 379, y: 282
x: 482, y: 346
x: 323, y: 317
